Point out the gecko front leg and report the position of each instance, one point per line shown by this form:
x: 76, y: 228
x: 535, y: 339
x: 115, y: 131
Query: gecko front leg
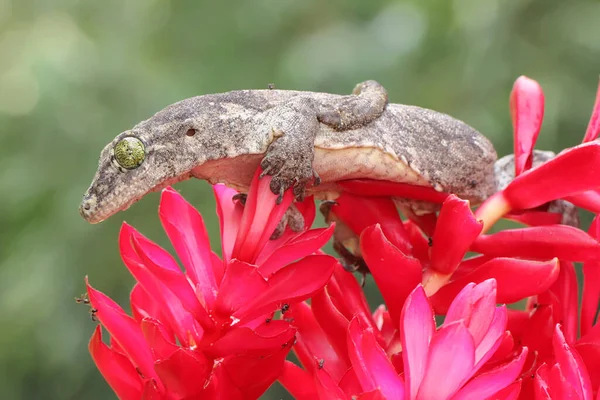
x: 367, y: 102
x: 290, y: 156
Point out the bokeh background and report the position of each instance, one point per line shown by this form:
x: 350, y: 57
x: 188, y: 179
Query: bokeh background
x: 75, y: 73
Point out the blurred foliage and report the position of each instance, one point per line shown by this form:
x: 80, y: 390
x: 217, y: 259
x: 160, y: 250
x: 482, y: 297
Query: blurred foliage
x: 75, y: 73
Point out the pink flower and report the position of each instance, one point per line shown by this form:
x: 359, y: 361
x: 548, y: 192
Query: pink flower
x: 209, y: 330
x: 567, y: 378
x: 469, y: 356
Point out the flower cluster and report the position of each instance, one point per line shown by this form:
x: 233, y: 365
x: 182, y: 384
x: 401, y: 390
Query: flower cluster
x: 223, y: 328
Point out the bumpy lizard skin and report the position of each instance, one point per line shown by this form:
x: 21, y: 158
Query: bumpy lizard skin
x: 296, y: 137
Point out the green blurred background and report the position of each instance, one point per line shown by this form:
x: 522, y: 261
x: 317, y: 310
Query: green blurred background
x: 75, y: 73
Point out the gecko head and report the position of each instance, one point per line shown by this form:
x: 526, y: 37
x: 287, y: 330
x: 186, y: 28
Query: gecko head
x: 131, y: 166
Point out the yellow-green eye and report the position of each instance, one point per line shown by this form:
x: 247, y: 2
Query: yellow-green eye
x: 130, y: 152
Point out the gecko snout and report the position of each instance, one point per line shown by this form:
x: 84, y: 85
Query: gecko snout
x: 88, y: 207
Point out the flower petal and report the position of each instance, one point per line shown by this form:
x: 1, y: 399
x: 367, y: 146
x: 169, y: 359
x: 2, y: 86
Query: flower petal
x: 124, y: 330
x: 372, y: 367
x: 327, y: 388
x: 243, y: 340
x: 184, y: 373
x: 573, y: 171
x: 303, y: 245
x: 253, y: 375
x: 593, y: 128
x: 331, y: 320
x: 589, y: 200
x: 159, y: 340
x: 312, y: 344
x: 572, y: 366
x: 117, y: 370
x: 185, y: 228
x: 516, y: 280
x: 359, y: 212
x: 395, y: 273
x: 230, y: 214
x: 417, y: 326
x: 165, y: 269
x: 456, y: 229
x: 527, y: 112
x: 540, y: 242
x: 368, y: 187
x: 298, y: 382
x: 260, y: 218
x: 491, y: 382
x: 450, y: 362
x: 295, y: 282
x: 179, y: 320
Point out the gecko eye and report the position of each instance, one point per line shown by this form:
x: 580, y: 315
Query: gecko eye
x: 130, y: 152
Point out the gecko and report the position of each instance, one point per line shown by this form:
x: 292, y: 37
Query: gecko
x: 306, y: 141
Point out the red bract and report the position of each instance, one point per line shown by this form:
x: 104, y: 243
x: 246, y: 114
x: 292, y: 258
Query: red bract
x: 207, y: 332
x: 571, y: 175
x: 452, y: 361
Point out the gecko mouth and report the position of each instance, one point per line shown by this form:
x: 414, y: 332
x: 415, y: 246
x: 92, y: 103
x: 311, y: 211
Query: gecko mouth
x: 95, y: 211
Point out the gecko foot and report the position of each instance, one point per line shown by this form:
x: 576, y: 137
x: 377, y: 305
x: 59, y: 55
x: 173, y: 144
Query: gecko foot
x: 288, y: 171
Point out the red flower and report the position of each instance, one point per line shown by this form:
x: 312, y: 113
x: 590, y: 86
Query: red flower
x: 207, y: 332
x: 455, y: 361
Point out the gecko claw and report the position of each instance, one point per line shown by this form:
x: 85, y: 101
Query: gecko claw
x: 317, y: 178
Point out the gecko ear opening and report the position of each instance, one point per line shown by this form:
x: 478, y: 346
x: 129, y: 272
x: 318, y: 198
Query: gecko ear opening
x: 190, y: 132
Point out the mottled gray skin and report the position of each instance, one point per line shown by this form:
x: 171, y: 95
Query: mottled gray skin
x: 295, y: 137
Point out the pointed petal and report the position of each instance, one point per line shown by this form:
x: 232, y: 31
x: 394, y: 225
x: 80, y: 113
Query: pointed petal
x: 143, y: 305
x: 116, y: 369
x: 178, y: 319
x: 165, y: 269
x: 253, y: 375
x: 417, y: 326
x: 511, y: 392
x: 243, y: 340
x: 295, y: 282
x: 563, y: 295
x: 541, y: 242
x: 450, y: 362
x: 124, y: 330
x: 297, y: 382
x: 331, y: 320
x: 572, y: 366
x: 589, y: 200
x: 260, y: 218
x: 535, y: 218
x: 230, y: 214
x: 573, y: 171
x: 312, y: 344
x: 395, y: 274
x: 372, y: 367
x: 491, y: 382
x: 303, y: 245
x: 591, y: 285
x: 492, y: 339
x: 158, y: 338
x: 368, y: 187
x: 359, y: 212
x: 347, y: 295
x: 516, y: 280
x: 590, y: 354
x: 475, y: 305
x: 455, y: 230
x: 184, y: 373
x: 327, y: 388
x: 593, y: 128
x: 185, y: 228
x: 527, y: 112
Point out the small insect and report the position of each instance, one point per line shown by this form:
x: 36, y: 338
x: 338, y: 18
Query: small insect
x: 84, y: 299
x: 430, y: 241
x: 321, y: 363
x: 285, y: 308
